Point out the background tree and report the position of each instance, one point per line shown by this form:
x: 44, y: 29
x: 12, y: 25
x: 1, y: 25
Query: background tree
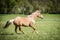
x: 28, y: 6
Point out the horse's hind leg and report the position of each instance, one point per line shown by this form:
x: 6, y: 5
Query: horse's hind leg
x: 16, y: 29
x: 20, y: 29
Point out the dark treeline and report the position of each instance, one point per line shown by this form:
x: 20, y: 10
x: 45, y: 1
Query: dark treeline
x: 28, y: 6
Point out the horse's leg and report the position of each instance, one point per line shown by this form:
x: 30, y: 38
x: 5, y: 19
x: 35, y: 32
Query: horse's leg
x: 33, y: 27
x: 16, y: 29
x: 20, y: 29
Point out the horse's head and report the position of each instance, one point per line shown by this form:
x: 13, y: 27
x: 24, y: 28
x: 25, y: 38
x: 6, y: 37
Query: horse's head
x: 38, y: 14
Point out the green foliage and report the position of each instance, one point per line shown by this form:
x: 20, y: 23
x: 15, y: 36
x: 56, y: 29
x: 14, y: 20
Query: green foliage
x: 28, y: 6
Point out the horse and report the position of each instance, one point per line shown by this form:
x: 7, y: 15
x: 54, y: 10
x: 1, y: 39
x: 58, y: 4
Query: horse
x: 28, y: 21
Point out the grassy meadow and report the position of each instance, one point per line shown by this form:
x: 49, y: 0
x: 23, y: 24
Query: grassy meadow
x: 48, y: 28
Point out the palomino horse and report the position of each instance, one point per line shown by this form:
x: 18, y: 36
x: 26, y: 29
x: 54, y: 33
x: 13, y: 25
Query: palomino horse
x: 28, y: 21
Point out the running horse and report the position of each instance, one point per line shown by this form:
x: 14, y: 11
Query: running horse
x: 28, y: 21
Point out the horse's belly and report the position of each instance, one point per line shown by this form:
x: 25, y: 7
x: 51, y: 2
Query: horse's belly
x: 25, y: 23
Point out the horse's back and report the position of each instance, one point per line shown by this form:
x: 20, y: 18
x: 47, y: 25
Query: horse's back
x: 20, y: 21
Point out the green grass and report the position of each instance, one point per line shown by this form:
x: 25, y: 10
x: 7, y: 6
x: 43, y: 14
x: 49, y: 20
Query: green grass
x: 48, y: 28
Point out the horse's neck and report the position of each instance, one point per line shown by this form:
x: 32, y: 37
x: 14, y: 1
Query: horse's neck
x: 32, y: 16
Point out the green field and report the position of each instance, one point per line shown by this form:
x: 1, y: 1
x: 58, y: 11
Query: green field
x: 48, y: 28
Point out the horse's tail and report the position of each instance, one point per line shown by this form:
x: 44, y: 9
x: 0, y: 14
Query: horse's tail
x: 8, y: 23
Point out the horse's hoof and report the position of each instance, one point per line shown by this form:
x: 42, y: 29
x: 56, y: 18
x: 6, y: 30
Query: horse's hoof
x: 36, y: 32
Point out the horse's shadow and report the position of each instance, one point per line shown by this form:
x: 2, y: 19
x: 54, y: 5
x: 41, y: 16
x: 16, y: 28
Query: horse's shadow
x: 10, y: 33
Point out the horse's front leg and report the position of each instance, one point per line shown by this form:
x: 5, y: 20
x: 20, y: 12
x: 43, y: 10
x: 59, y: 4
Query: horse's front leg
x: 20, y: 29
x: 33, y: 27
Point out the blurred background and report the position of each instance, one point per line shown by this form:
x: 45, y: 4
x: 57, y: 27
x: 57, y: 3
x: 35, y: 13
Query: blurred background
x: 28, y: 6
